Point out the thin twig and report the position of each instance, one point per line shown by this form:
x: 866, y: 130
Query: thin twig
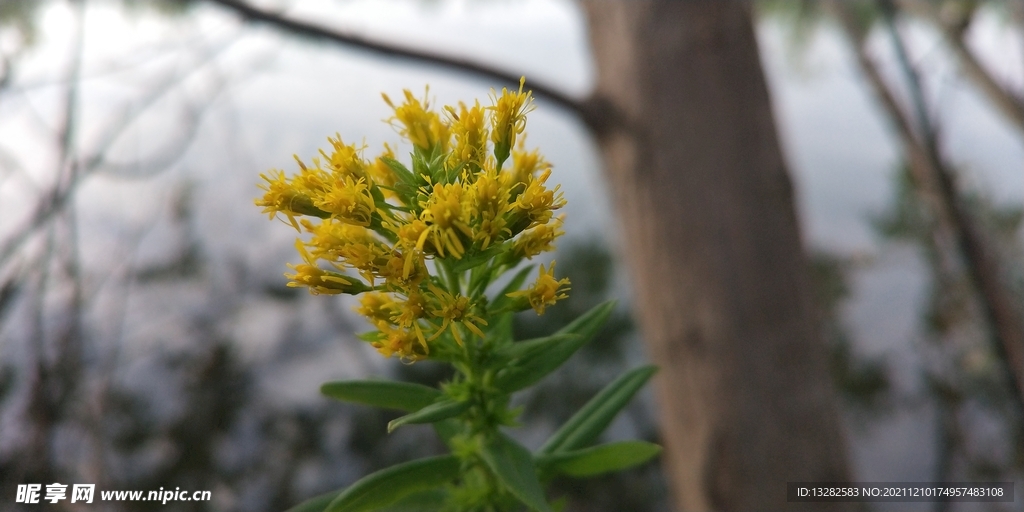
x: 387, y: 49
x: 1004, y: 319
x: 56, y: 200
x: 1009, y: 104
x: 598, y: 114
x: 933, y: 180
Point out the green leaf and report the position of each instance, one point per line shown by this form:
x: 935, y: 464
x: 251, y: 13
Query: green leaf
x: 371, y: 336
x: 389, y: 486
x: 404, y: 396
x: 400, y: 170
x: 500, y: 333
x: 513, y: 466
x: 527, y: 349
x: 433, y: 499
x: 466, y: 263
x: 516, y: 357
x: 502, y: 299
x: 533, y: 366
x: 434, y: 412
x: 599, y: 459
x: 316, y: 503
x: 446, y: 430
x: 588, y: 423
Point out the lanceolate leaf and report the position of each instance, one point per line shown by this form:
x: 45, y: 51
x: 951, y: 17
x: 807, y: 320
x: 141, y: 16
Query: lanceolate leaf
x: 404, y: 396
x: 500, y: 332
x: 535, y: 364
x: 389, y: 486
x: 588, y: 423
x: 526, y: 350
x: 434, y: 412
x: 513, y: 466
x: 599, y: 459
x: 400, y: 170
x: 469, y: 262
x: 433, y: 499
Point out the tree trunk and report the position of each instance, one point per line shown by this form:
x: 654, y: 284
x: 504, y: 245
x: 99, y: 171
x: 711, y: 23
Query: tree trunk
x: 713, y: 245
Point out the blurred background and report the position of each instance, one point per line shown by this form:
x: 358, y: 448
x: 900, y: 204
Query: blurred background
x: 147, y: 338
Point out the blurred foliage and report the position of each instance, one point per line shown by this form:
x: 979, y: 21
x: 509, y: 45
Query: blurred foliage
x: 21, y: 15
x: 863, y: 382
x: 980, y: 430
x: 591, y: 268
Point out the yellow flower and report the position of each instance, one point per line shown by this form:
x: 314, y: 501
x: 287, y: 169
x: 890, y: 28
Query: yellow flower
x: 447, y: 214
x: 537, y: 202
x: 345, y: 161
x: 470, y: 135
x: 382, y: 223
x: 282, y: 197
x: 376, y: 307
x: 509, y: 119
x: 419, y: 124
x: 402, y: 342
x: 545, y: 291
x: 312, y: 180
x: 490, y: 204
x: 348, y: 200
x: 413, y: 308
x: 321, y: 281
x: 525, y: 165
x: 349, y: 245
x: 402, y: 273
x: 454, y: 310
x: 539, y: 239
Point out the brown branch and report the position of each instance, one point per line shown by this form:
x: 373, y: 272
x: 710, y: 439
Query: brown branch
x: 983, y: 266
x: 1010, y: 105
x: 55, y: 201
x: 596, y: 114
x: 934, y: 181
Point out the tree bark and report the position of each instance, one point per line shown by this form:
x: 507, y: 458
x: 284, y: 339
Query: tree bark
x: 713, y: 245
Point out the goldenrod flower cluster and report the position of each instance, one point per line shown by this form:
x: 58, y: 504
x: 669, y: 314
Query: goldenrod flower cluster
x: 423, y: 243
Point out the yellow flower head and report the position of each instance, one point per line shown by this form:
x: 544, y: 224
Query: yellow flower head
x: 416, y: 122
x: 525, y: 165
x: 376, y: 307
x: 380, y: 220
x: 412, y: 309
x: 537, y: 202
x: 321, y: 281
x: 281, y: 197
x: 447, y: 213
x: 490, y: 203
x: 350, y: 246
x: 454, y: 310
x: 470, y: 133
x: 404, y: 343
x: 546, y: 291
x: 403, y: 272
x: 539, y: 239
x: 345, y: 161
x: 348, y: 200
x: 312, y: 180
x: 509, y: 119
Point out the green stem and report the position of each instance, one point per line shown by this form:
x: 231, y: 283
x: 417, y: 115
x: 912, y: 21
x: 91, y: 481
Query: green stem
x: 450, y: 278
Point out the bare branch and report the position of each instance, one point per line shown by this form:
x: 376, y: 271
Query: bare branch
x: 934, y: 180
x: 1009, y: 104
x: 56, y: 200
x: 587, y: 110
